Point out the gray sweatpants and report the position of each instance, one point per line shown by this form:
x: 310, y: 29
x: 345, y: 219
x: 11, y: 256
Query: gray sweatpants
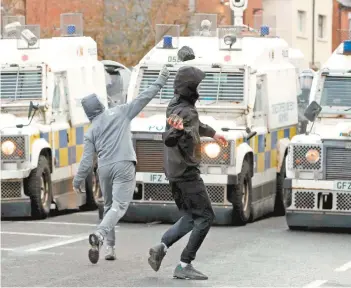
x: 117, y: 185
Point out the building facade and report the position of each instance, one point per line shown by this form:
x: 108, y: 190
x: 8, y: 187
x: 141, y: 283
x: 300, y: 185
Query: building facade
x: 305, y: 25
x: 341, y: 22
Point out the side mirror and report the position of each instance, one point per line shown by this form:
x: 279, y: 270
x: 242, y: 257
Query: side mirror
x: 110, y: 69
x: 312, y: 111
x: 30, y: 109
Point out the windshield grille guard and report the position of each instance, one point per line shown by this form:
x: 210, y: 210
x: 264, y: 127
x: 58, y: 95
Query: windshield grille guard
x: 223, y: 87
x: 21, y: 84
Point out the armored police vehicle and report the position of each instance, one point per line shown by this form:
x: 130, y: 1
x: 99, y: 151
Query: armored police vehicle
x: 249, y: 94
x: 42, y: 122
x: 318, y: 184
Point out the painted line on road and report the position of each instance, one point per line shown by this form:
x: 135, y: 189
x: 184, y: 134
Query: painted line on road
x: 57, y: 244
x: 58, y: 223
x: 86, y: 214
x: 316, y: 283
x: 34, y: 234
x: 344, y: 267
x: 7, y: 249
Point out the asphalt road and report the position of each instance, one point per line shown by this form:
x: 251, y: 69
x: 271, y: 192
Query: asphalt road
x: 53, y: 253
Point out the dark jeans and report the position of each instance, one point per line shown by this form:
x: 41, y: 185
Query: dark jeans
x: 191, y: 198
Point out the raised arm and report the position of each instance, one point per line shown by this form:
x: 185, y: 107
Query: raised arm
x: 85, y: 164
x: 134, y: 107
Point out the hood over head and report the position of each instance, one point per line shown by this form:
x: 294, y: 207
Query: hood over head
x: 186, y: 82
x: 92, y: 106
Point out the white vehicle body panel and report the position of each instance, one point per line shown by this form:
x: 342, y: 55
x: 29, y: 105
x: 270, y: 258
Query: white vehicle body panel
x: 324, y: 188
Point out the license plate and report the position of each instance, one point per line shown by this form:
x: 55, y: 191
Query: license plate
x: 342, y: 185
x: 158, y: 137
x: 155, y: 178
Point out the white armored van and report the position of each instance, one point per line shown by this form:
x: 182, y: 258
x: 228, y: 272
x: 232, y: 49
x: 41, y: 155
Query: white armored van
x: 42, y: 122
x: 249, y: 95
x: 318, y: 184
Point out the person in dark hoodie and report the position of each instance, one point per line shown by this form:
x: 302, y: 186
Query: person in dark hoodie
x: 110, y: 137
x: 182, y: 156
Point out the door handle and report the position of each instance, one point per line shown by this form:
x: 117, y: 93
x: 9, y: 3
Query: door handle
x: 67, y: 138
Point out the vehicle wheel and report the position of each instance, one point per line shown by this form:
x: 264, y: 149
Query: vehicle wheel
x: 38, y: 187
x: 283, y: 197
x: 242, y: 197
x: 93, y: 190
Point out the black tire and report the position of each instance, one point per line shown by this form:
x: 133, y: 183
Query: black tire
x: 282, y: 198
x: 41, y: 176
x: 242, y: 211
x: 93, y: 191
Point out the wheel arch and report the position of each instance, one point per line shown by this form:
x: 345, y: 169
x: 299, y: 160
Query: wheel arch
x: 244, y: 152
x: 41, y: 147
x: 282, y: 151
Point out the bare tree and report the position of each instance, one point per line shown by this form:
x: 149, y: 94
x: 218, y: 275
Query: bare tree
x: 130, y: 26
x: 12, y: 7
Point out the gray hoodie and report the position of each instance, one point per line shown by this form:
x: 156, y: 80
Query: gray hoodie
x: 109, y: 134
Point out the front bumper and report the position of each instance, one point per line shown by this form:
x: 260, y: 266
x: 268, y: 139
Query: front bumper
x: 318, y: 203
x: 166, y: 213
x: 15, y: 208
x: 158, y: 178
x: 317, y: 220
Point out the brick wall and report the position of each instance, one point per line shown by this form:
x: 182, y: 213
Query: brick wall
x: 340, y: 24
x: 47, y: 12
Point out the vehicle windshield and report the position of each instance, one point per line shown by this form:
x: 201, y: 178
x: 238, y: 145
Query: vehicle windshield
x: 336, y: 91
x: 225, y: 87
x: 114, y: 88
x: 21, y: 84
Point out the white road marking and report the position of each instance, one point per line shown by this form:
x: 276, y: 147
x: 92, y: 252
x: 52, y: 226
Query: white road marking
x: 344, y: 267
x: 7, y: 249
x: 316, y: 283
x: 86, y: 214
x: 58, y: 223
x: 57, y: 244
x: 34, y: 234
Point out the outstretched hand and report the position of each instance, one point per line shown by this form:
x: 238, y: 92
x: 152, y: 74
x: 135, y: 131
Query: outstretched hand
x: 176, y: 122
x: 221, y: 140
x: 164, y: 72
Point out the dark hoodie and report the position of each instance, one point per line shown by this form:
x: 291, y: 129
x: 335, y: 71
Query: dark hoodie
x: 182, y: 150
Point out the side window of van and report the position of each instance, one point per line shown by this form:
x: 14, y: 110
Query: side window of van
x: 114, y: 88
x: 259, y: 97
x: 56, y: 99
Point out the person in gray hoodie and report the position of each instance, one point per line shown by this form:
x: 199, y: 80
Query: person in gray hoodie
x: 109, y: 136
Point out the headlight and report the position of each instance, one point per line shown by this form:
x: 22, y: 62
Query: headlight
x: 312, y: 156
x: 212, y: 150
x: 8, y: 147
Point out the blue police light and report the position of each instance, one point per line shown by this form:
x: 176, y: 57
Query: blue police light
x: 167, y: 41
x: 264, y: 30
x: 71, y: 29
x: 347, y: 47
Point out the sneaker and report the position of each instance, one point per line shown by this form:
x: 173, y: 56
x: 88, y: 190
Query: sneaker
x: 95, y: 241
x: 110, y: 253
x: 157, y: 253
x: 188, y: 273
